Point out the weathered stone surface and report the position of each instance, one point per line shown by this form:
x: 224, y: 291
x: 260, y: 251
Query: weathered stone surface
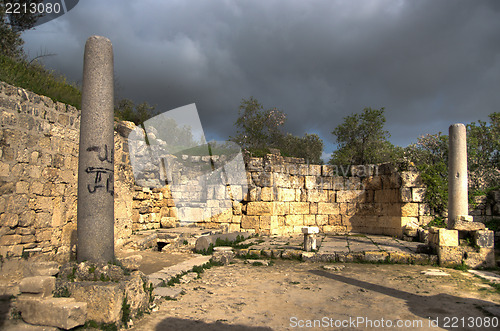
x: 168, y: 292
x: 484, y: 238
x: 64, y: 313
x: 465, y: 225
x: 204, y: 242
x: 443, y: 237
x: 457, y: 172
x: 132, y: 262
x: 39, y: 285
x: 104, y: 300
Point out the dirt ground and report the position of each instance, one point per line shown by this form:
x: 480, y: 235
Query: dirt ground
x: 291, y: 295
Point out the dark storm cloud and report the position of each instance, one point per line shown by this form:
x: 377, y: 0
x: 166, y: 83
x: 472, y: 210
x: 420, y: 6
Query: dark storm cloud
x: 430, y: 63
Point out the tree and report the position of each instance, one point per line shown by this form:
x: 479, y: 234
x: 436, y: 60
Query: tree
x: 10, y: 32
x: 309, y: 147
x: 261, y: 129
x: 126, y: 110
x: 362, y: 139
x: 483, y: 153
x: 258, y: 129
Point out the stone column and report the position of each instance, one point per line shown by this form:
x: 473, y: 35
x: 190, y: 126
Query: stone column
x: 95, y: 214
x: 458, y: 204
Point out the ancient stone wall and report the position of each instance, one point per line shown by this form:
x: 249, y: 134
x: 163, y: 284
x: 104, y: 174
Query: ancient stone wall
x: 38, y: 188
x: 38, y: 169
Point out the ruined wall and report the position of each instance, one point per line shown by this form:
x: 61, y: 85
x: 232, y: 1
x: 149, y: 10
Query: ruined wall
x: 38, y: 187
x: 38, y: 169
x: 38, y: 176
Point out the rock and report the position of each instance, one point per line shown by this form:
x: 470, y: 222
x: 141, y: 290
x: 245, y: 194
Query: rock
x: 64, y: 313
x: 132, y: 262
x: 42, y: 286
x: 171, y: 292
x: 204, y: 242
x: 333, y: 267
x: 434, y: 272
x: 223, y: 257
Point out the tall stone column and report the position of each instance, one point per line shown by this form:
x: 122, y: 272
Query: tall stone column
x: 95, y: 214
x: 458, y: 204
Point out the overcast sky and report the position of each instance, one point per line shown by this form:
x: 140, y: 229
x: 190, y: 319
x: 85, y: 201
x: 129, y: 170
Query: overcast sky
x: 429, y: 63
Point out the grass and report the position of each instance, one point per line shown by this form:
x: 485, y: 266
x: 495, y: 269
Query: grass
x: 36, y: 78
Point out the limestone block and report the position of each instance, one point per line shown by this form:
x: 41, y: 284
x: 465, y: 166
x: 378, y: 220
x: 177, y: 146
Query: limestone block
x: 317, y: 195
x: 484, y: 238
x: 10, y: 220
x: 319, y: 220
x: 443, y: 237
x: 250, y: 222
x: 328, y: 170
x: 411, y: 179
x: 310, y: 229
x: 334, y: 220
x: 462, y: 225
x: 409, y: 210
x: 334, y: 229
x: 267, y: 194
x: 310, y: 182
x: 259, y: 208
x: 424, y: 220
x: 424, y: 209
x: 309, y: 220
x: 286, y: 194
x: 281, y: 180
x: 263, y: 178
x: 332, y: 196
x: 104, y: 300
x: 387, y: 195
x: 418, y: 194
x: 132, y: 262
x: 328, y: 208
x: 338, y: 183
x: 350, y: 195
x: 405, y: 194
x: 294, y: 220
x: 299, y: 208
x: 64, y: 313
x: 372, y: 183
x: 42, y: 286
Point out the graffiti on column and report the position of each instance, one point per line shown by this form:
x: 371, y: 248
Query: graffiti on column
x: 103, y: 176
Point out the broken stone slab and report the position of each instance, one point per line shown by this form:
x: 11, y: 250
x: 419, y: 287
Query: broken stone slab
x: 44, y: 269
x: 41, y: 286
x: 132, y: 262
x: 22, y: 326
x: 461, y: 224
x: 223, y: 257
x: 434, y: 272
x: 170, y: 292
x: 258, y: 262
x: 203, y: 242
x: 64, y: 313
x: 490, y: 276
x: 332, y: 267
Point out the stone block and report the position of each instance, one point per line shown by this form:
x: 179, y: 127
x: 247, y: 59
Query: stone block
x: 387, y: 195
x: 259, y: 208
x: 42, y: 286
x: 405, y: 194
x: 317, y: 195
x: 310, y: 182
x: 104, y: 300
x: 484, y: 238
x: 267, y: 194
x: 375, y: 256
x: 443, y: 237
x: 64, y: 313
x: 417, y: 194
x: 328, y: 208
x: 294, y: 220
x: 286, y: 194
x: 310, y: 220
x: 411, y: 179
x: 250, y: 222
x: 299, y: 208
x: 409, y: 210
x: 320, y: 219
x: 462, y: 225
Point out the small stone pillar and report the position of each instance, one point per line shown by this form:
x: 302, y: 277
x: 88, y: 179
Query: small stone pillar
x: 458, y: 204
x: 310, y: 237
x: 95, y: 212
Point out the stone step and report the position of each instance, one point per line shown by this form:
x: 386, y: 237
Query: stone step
x: 41, y: 286
x: 168, y: 273
x: 64, y: 313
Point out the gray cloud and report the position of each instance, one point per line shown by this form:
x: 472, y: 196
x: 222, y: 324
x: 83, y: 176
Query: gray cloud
x: 430, y: 63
